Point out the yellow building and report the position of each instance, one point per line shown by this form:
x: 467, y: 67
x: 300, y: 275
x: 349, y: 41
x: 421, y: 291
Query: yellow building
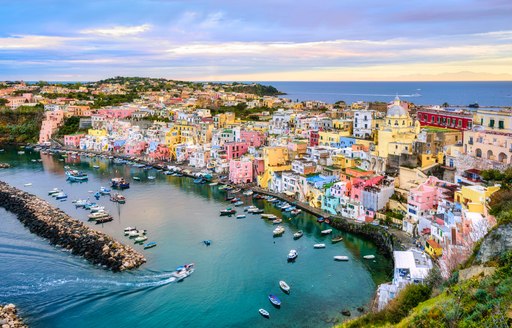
x: 343, y: 125
x: 332, y: 138
x: 97, y: 132
x: 275, y: 159
x: 339, y: 161
x: 398, y: 132
x: 433, y: 248
x: 475, y: 198
x: 180, y: 134
x: 224, y: 119
x: 493, y: 120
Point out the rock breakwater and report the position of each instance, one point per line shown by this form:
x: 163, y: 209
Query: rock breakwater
x: 9, y: 317
x: 60, y: 229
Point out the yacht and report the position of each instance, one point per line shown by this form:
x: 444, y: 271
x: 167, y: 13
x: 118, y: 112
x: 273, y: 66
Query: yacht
x: 292, y: 255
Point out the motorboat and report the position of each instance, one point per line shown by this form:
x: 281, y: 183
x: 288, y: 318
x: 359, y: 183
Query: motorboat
x: 150, y: 245
x: 96, y: 208
x: 255, y: 210
x: 74, y: 175
x: 268, y: 216
x: 319, y: 245
x: 278, y: 231
x: 54, y: 191
x: 128, y: 229
x: 105, y: 191
x: 289, y: 209
x: 151, y: 177
x: 81, y: 202
x: 140, y: 239
x: 277, y: 221
x: 183, y: 271
x: 234, y: 200
x: 104, y: 219
x: 326, y: 231
x: 292, y: 255
x: 135, y: 233
x: 320, y: 220
x: 340, y: 258
x: 284, y: 286
x: 61, y: 195
x: 250, y: 207
x: 248, y: 193
x: 207, y: 242
x: 120, y: 183
x: 118, y: 198
x: 274, y: 300
x: 96, y: 166
x: 239, y: 203
x: 97, y: 195
x: 336, y: 239
x: 136, y: 178
x: 227, y: 211
x: 97, y: 215
x: 298, y: 234
x: 240, y: 216
x: 264, y: 313
x: 295, y: 211
x: 235, y: 191
x: 213, y: 184
x: 28, y: 184
x: 369, y: 257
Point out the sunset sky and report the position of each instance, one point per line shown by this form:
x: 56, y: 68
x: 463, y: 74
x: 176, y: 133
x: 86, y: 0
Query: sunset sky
x: 265, y: 40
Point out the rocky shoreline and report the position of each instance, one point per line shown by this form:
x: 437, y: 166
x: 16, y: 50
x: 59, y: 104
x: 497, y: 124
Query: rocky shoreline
x: 60, y: 229
x: 9, y: 317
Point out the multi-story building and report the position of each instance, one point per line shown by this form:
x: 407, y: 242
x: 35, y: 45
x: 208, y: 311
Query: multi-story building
x: 458, y: 120
x: 363, y: 123
x: 240, y: 171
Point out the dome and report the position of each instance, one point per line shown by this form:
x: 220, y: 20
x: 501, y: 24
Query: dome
x: 396, y: 110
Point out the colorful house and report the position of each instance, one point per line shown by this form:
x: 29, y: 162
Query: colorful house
x: 73, y: 140
x: 433, y: 248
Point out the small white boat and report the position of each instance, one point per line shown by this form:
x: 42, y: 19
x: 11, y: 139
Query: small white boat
x: 278, y: 231
x: 292, y: 255
x: 140, y: 239
x: 298, y: 234
x: 128, y: 229
x: 96, y: 208
x: 28, y: 184
x: 340, y: 258
x: 319, y: 245
x: 34, y: 160
x: 136, y: 178
x: 240, y: 216
x: 284, y: 286
x: 53, y: 191
x: 277, y: 221
x: 151, y: 177
x: 248, y: 193
x: 213, y: 184
x: 264, y: 313
x: 268, y: 216
x: 96, y: 166
x: 326, y: 232
x: 97, y: 215
x: 369, y: 257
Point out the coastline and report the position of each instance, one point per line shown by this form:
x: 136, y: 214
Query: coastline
x: 9, y: 317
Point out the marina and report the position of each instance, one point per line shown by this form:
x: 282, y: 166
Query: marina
x: 187, y: 214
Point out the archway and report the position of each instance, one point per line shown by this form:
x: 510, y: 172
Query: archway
x: 489, y: 154
x: 478, y: 153
x: 502, y: 157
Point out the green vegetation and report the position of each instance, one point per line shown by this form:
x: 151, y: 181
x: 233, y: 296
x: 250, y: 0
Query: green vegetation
x: 113, y: 100
x: 21, y: 125
x: 241, y: 110
x: 3, y: 101
x: 256, y: 89
x: 71, y: 126
x: 72, y: 95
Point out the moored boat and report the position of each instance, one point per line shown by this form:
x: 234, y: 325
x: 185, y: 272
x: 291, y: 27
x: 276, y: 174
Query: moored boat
x: 264, y: 313
x: 140, y: 239
x: 61, y: 195
x: 104, y: 191
x: 248, y: 193
x: 336, y: 239
x: 74, y: 175
x: 319, y: 245
x: 326, y: 231
x: 104, y: 219
x: 136, y: 178
x: 277, y: 221
x: 274, y: 300
x: 369, y: 257
x: 268, y: 216
x: 97, y: 215
x: 240, y: 216
x: 54, y: 191
x: 128, y: 229
x: 295, y: 211
x: 239, y: 203
x: 340, y: 258
x: 150, y: 245
x: 292, y: 255
x: 120, y: 183
x: 298, y: 234
x: 118, y: 198
x: 227, y: 211
x: 284, y: 286
x: 278, y: 231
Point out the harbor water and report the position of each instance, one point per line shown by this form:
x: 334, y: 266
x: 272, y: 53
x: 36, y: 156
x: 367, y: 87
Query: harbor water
x: 233, y: 276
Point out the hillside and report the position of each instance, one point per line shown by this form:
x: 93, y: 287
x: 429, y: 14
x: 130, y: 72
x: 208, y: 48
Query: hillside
x: 21, y: 125
x: 478, y: 294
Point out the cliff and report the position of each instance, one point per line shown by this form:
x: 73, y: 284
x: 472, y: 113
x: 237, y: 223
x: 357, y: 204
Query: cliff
x: 21, y: 125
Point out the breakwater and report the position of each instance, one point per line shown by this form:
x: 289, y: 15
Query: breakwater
x: 9, y: 317
x: 60, y: 229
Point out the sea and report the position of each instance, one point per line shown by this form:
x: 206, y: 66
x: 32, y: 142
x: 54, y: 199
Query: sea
x: 497, y: 94
x: 233, y: 276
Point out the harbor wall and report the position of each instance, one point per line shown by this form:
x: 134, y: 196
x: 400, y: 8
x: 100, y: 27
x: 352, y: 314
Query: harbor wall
x: 60, y: 229
x: 9, y: 317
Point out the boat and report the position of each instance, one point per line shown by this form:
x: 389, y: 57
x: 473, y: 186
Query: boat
x: 140, y: 239
x: 248, y: 193
x: 54, y: 191
x: 120, y: 183
x: 268, y: 216
x: 274, y: 300
x: 128, y: 229
x: 21, y: 152
x: 320, y: 220
x: 151, y: 177
x: 80, y: 202
x: 250, y: 207
x: 239, y: 203
x: 61, y: 195
x: 284, y: 286
x: 96, y: 208
x: 136, y: 178
x: 198, y: 180
x: 105, y: 191
x: 213, y: 184
x: 255, y: 210
x: 319, y: 245
x: 278, y: 231
x: 28, y: 184
x: 227, y: 211
x: 285, y: 207
x: 240, y: 216
x: 207, y: 242
x: 118, y: 198
x: 295, y: 211
x: 135, y: 233
x: 183, y: 271
x: 74, y: 175
x: 277, y: 221
x: 233, y: 200
x: 104, y: 219
x: 336, y: 239
x: 340, y: 258
x: 264, y: 313
x: 97, y: 215
x: 289, y: 209
x: 298, y: 234
x: 326, y: 231
x: 34, y: 160
x: 369, y: 257
x: 96, y: 166
x: 97, y: 195
x: 292, y: 255
x: 150, y: 245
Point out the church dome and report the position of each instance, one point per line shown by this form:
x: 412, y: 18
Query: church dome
x: 396, y: 110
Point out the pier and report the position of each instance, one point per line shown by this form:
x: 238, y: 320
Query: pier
x: 62, y: 230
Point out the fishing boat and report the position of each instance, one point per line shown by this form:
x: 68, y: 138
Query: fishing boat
x: 118, y: 198
x: 292, y: 255
x: 248, y: 193
x: 28, y: 184
x: 105, y: 191
x: 284, y: 286
x: 240, y: 216
x: 120, y: 183
x: 298, y: 234
x: 295, y: 211
x: 326, y: 231
x: 97, y: 215
x: 336, y: 239
x: 274, y: 300
x: 140, y: 239
x: 277, y: 221
x: 340, y: 258
x: 150, y: 245
x: 61, y: 195
x: 278, y: 231
x: 227, y: 211
x: 183, y: 271
x: 369, y: 257
x: 264, y: 313
x: 239, y: 203
x: 74, y: 175
x: 319, y: 245
x: 104, y: 219
x: 136, y: 178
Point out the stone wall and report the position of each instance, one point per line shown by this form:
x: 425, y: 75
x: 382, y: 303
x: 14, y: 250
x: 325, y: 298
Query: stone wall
x: 60, y: 229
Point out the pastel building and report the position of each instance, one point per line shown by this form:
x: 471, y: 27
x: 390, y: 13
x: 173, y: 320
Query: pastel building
x: 51, y: 122
x: 275, y: 159
x: 474, y: 198
x: 73, y: 140
x: 235, y: 149
x: 240, y: 171
x: 253, y: 138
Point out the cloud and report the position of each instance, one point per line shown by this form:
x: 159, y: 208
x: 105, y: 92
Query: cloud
x: 18, y: 42
x: 117, y: 31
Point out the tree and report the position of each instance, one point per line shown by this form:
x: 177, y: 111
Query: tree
x: 3, y: 101
x: 445, y: 104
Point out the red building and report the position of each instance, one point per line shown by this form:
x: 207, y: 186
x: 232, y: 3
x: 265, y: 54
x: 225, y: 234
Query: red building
x: 313, y: 138
x: 445, y: 119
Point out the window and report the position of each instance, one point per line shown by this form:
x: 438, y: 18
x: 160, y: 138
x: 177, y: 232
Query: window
x: 501, y: 125
x: 491, y: 123
x: 433, y: 119
x: 460, y: 123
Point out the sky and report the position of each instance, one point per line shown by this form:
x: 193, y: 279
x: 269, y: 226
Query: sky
x: 259, y: 40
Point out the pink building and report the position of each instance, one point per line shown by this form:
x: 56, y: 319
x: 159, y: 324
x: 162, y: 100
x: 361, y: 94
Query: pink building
x: 161, y: 153
x: 428, y: 195
x: 252, y: 138
x: 51, y: 122
x: 135, y: 148
x: 358, y: 185
x: 117, y: 112
x: 235, y: 149
x: 240, y: 171
x: 73, y: 140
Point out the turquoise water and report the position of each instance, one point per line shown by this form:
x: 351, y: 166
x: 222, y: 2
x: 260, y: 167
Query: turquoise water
x: 232, y: 279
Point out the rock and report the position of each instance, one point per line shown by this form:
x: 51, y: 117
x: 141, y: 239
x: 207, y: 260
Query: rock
x: 360, y: 309
x: 345, y: 312
x: 497, y: 242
